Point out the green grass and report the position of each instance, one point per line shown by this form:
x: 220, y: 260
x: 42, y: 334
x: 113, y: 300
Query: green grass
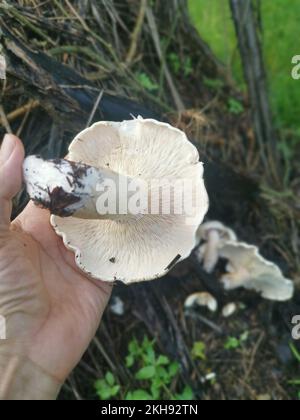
x: 281, y: 34
x: 295, y: 382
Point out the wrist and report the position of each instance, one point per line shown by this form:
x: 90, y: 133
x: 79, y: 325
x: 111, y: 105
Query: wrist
x: 22, y: 379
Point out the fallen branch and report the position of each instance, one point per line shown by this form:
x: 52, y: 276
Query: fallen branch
x: 155, y: 35
x: 19, y: 112
x: 136, y: 33
x: 4, y: 120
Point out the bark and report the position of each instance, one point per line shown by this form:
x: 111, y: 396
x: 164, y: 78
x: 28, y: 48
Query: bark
x: 247, y: 30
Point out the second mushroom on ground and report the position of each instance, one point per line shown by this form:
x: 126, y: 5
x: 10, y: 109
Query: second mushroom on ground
x: 245, y: 265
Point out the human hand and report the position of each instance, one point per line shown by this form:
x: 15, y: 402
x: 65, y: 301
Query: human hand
x: 52, y: 309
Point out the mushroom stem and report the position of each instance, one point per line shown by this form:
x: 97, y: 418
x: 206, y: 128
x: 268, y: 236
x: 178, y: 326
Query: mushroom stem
x: 73, y: 189
x: 211, y: 254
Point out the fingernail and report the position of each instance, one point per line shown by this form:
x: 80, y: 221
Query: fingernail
x: 7, y: 147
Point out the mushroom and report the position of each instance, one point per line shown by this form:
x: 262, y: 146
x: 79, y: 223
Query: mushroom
x: 210, y: 377
x: 2, y: 328
x: 123, y: 243
x: 201, y: 299
x: 2, y: 67
x: 229, y: 309
x: 214, y: 233
x: 117, y: 306
x: 69, y: 188
x: 247, y: 268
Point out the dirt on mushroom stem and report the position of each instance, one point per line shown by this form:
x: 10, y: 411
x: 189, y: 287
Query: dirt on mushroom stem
x: 64, y: 187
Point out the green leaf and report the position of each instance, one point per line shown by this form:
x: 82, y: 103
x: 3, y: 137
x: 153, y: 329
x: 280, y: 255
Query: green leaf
x: 163, y: 373
x: 138, y: 394
x: 128, y: 396
x: 162, y: 360
x: 100, y: 383
x: 109, y: 377
x: 133, y: 347
x: 129, y: 360
x: 214, y: 84
x: 176, y: 64
x: 232, y: 343
x: 157, y: 382
x: 198, y: 350
x: 146, y: 82
x: 188, y: 68
x: 104, y: 394
x: 234, y: 106
x: 147, y: 343
x: 173, y: 369
x: 295, y: 352
x: 115, y: 390
x: 155, y: 390
x: 295, y: 382
x: 146, y: 372
x: 106, y: 388
x: 150, y: 355
x: 174, y: 61
x: 187, y: 394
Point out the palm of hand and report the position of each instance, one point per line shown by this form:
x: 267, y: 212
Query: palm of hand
x: 52, y: 309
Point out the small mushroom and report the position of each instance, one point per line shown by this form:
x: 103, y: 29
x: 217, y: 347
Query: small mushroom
x: 117, y: 306
x: 2, y: 328
x: 214, y: 233
x: 229, y: 309
x: 247, y: 268
x: 201, y: 299
x: 2, y: 67
x: 122, y: 245
x: 210, y: 377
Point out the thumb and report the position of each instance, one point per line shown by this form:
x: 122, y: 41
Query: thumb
x: 11, y: 159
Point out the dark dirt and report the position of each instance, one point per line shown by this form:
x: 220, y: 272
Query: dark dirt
x: 59, y: 201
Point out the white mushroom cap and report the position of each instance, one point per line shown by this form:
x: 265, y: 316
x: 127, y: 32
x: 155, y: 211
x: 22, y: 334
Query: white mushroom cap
x: 214, y: 233
x: 224, y: 232
x: 229, y: 309
x: 145, y: 247
x: 2, y: 67
x: 201, y: 299
x: 247, y: 268
x: 116, y: 306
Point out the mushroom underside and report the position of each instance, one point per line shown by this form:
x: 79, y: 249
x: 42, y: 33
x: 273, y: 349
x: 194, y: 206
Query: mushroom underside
x: 148, y: 246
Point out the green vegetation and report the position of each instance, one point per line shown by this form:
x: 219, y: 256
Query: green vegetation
x: 234, y: 106
x: 281, y: 30
x: 146, y: 82
x: 234, y: 343
x: 185, y: 69
x: 199, y: 350
x: 295, y: 382
x: 213, y: 20
x: 107, y: 388
x: 155, y: 376
x: 214, y: 84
